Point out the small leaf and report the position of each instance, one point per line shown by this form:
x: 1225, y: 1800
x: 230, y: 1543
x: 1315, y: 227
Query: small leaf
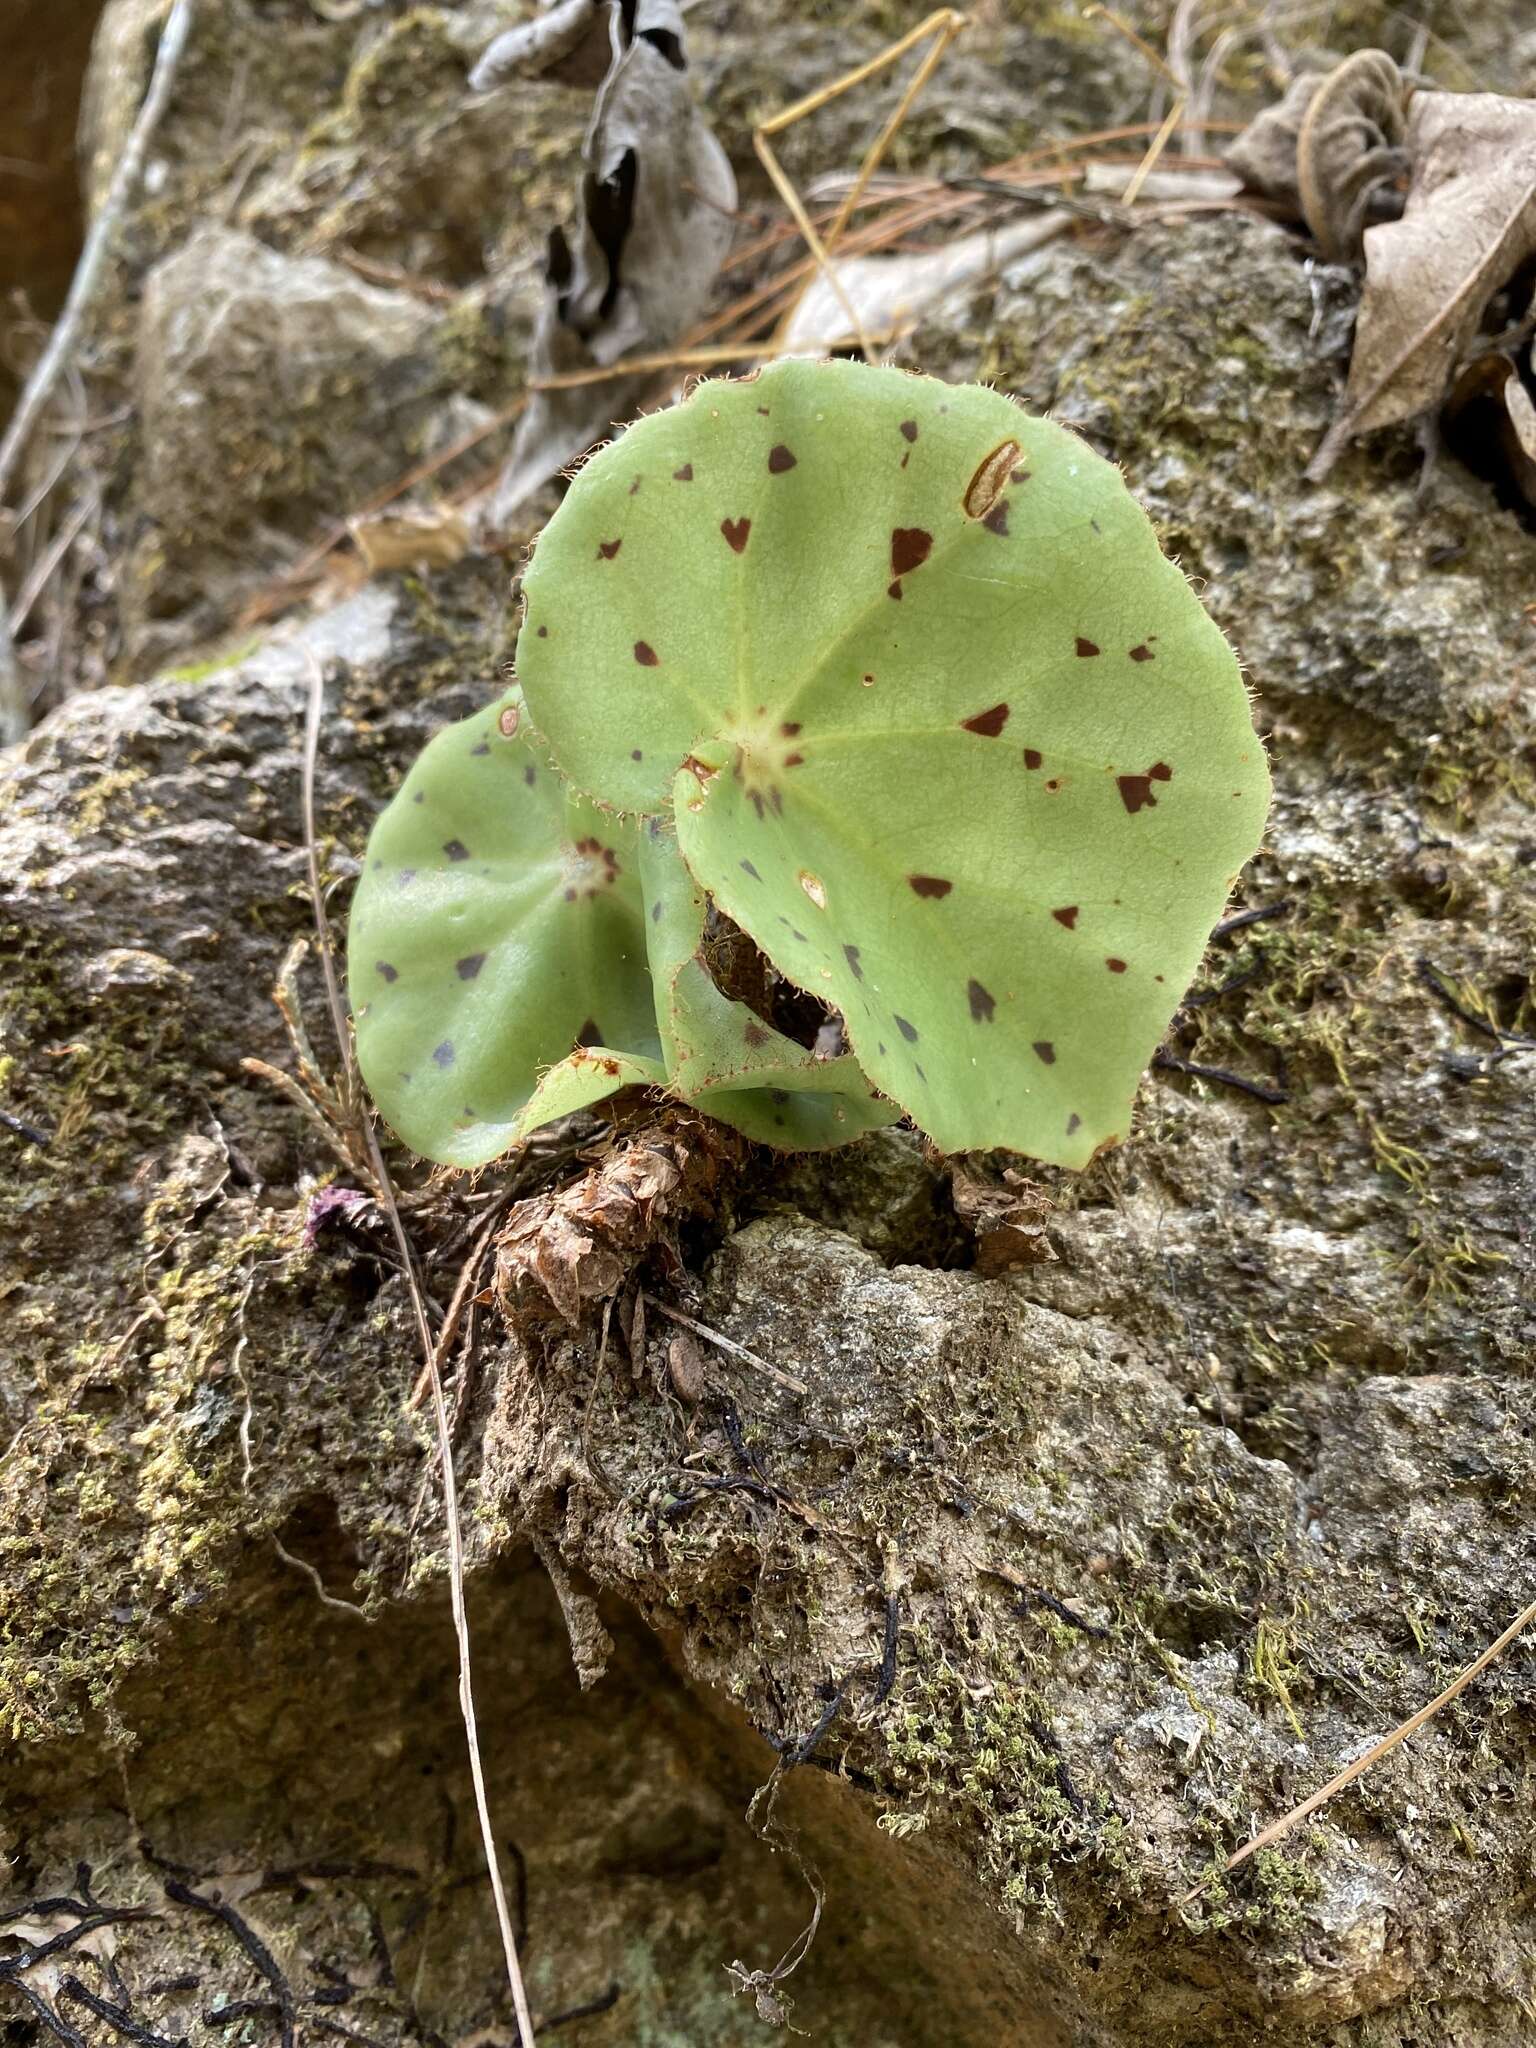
x: 496, y: 927
x: 950, y: 652
x: 720, y: 1055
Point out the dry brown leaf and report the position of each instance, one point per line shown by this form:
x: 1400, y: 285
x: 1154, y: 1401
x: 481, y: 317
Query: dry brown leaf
x: 1350, y: 148
x: 1007, y: 1217
x: 1331, y: 149
x: 1264, y: 155
x: 581, y: 1243
x: 1468, y: 226
x: 1493, y: 389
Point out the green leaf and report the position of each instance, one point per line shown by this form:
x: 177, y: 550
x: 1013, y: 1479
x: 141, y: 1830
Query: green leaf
x: 497, y: 926
x: 943, y: 729
x: 719, y: 1054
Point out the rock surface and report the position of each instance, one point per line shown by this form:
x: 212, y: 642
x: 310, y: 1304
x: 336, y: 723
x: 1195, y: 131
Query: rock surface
x: 1077, y: 1576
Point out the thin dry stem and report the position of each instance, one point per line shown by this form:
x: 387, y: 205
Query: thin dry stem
x: 386, y: 1191
x: 679, y: 359
x: 1153, y: 57
x: 1159, y: 143
x: 943, y: 26
x: 727, y: 1344
x: 458, y: 1302
x: 98, y: 243
x: 1388, y: 1743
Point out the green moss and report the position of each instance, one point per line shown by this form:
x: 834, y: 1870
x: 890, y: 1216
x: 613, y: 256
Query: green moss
x: 215, y: 664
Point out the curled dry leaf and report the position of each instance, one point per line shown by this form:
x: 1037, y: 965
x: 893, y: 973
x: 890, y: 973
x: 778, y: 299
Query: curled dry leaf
x: 1007, y: 1217
x: 568, y: 43
x: 1468, y: 226
x: 654, y: 221
x: 1350, y: 150
x: 561, y: 1251
x: 1490, y: 404
x: 1331, y: 150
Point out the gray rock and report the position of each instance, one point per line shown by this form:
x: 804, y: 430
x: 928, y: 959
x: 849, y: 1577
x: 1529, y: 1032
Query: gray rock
x: 275, y: 391
x: 1157, y: 1536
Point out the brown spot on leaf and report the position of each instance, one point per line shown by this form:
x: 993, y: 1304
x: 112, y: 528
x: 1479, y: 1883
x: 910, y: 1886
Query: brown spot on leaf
x: 736, y: 531
x: 981, y: 1000
x: 469, y: 966
x: 646, y: 654
x: 1087, y: 647
x: 1066, y: 916
x: 456, y: 850
x: 1115, y: 966
x: 910, y: 548
x: 607, y: 549
x: 996, y: 520
x: 988, y: 723
x: 1074, y: 1123
x: 1045, y: 1051
x: 754, y: 1034
x: 683, y: 475
x: 748, y: 869
x: 790, y: 761
x: 790, y: 727
x: 909, y: 430
x: 1019, y: 476
x: 483, y: 748
x: 442, y: 1055
x: 543, y: 632
x: 908, y: 1031
x: 1141, y: 653
x: 530, y: 775
x: 1136, y: 790
x: 991, y: 474
x: 851, y: 955
x: 636, y: 754
x: 779, y: 459
x: 1033, y: 758
x: 383, y: 968
x: 893, y: 590
x: 929, y: 885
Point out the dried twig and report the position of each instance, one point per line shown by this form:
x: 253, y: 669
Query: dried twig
x: 391, y: 1206
x: 727, y: 1344
x: 1373, y: 1755
x: 1436, y: 984
x: 1170, y: 1063
x: 98, y: 242
x: 457, y: 1303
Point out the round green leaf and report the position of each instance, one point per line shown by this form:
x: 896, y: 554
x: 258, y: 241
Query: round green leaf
x: 943, y: 729
x: 496, y: 929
